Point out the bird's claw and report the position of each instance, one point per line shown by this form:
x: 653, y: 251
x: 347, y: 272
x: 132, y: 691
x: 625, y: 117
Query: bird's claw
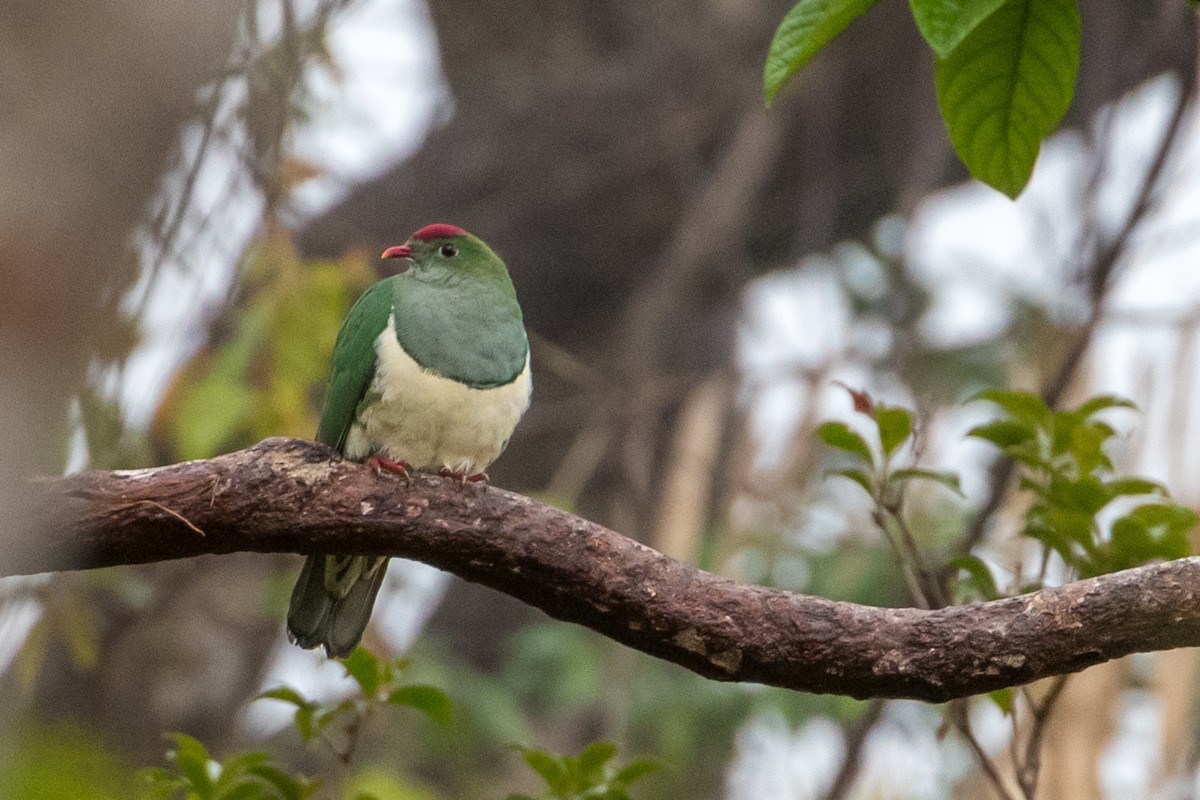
x: 382, y: 465
x: 462, y: 477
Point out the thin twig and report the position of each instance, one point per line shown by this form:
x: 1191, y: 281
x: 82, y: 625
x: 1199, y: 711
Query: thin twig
x: 958, y: 717
x: 856, y: 740
x: 172, y: 512
x: 931, y: 587
x: 1027, y: 771
x: 907, y: 568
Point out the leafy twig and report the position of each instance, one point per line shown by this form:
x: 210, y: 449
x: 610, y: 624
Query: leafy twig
x: 1099, y: 283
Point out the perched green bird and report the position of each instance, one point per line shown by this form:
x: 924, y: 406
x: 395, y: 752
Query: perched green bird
x: 430, y: 372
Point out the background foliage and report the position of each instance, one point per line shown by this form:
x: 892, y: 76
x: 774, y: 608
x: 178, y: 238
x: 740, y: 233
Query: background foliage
x: 1005, y: 71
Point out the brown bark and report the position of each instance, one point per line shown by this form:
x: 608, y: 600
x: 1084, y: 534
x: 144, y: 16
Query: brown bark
x: 286, y: 495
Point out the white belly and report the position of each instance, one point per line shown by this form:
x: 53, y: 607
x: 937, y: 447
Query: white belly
x: 433, y: 422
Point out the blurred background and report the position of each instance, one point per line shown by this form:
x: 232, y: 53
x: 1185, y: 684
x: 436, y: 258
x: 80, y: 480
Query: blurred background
x: 194, y: 195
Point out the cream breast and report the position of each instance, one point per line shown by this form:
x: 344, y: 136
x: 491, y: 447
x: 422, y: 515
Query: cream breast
x: 432, y: 422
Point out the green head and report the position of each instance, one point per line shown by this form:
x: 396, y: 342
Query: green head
x: 455, y: 309
x: 449, y: 256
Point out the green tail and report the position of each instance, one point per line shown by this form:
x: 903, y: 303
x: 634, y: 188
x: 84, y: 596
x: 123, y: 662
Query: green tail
x: 332, y: 601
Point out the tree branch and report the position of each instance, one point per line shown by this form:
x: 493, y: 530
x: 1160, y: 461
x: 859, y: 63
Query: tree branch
x: 292, y: 496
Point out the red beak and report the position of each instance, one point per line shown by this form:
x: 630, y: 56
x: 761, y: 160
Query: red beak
x: 399, y: 251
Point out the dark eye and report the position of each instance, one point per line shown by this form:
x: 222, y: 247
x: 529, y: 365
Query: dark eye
x: 449, y: 250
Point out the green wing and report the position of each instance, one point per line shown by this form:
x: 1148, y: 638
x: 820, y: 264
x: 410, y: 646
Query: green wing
x: 353, y: 363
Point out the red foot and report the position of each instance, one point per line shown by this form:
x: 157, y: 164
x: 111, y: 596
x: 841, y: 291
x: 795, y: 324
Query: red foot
x: 381, y: 465
x: 462, y: 477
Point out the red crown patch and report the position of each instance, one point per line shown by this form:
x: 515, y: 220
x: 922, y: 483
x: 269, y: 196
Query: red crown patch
x: 437, y: 231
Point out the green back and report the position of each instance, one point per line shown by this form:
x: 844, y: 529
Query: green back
x: 353, y: 364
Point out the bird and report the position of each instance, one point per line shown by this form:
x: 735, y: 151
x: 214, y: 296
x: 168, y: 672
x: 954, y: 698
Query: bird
x: 430, y: 372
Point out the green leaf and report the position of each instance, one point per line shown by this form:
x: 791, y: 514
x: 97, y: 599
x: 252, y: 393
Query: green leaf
x: 1131, y: 543
x: 1030, y: 455
x: 192, y: 759
x: 1151, y: 531
x: 856, y: 475
x: 1166, y: 515
x: 1086, y: 444
x: 363, y: 667
x: 251, y: 790
x: 1069, y: 523
x: 981, y: 575
x: 305, y: 722
x: 428, y: 699
x: 289, y: 787
x: 1064, y: 427
x: 1087, y: 495
x: 841, y: 436
x: 945, y: 23
x: 1052, y: 538
x: 593, y: 758
x: 1148, y: 532
x: 1119, y: 487
x: 287, y: 695
x: 1024, y: 407
x: 233, y: 775
x: 306, y: 709
x: 1101, y: 402
x: 1003, y: 699
x: 948, y: 479
x: 636, y: 770
x: 1007, y: 85
x: 808, y: 27
x: 553, y: 770
x: 1082, y: 439
x: 1003, y: 433
x: 895, y: 424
